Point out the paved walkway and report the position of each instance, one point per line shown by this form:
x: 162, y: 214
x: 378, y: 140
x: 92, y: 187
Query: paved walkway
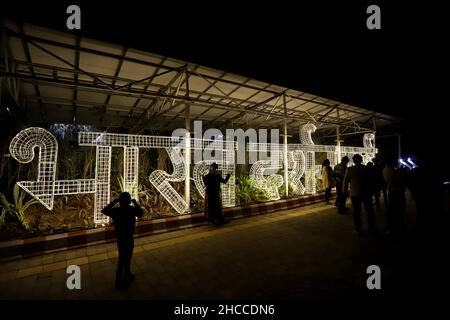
x: 309, y: 252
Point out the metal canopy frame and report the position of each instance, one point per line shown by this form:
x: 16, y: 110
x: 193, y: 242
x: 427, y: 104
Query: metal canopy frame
x: 36, y: 57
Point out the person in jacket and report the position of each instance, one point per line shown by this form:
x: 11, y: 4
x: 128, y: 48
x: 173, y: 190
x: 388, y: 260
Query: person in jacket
x: 357, y: 177
x: 338, y: 175
x: 213, y: 202
x: 327, y: 179
x: 380, y: 184
x: 373, y: 184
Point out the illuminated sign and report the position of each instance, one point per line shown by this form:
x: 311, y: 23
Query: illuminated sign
x: 263, y: 172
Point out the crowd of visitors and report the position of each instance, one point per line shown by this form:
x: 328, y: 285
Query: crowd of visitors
x: 365, y: 185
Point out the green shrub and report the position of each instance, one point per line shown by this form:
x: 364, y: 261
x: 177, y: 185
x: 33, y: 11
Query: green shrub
x: 17, y: 209
x: 246, y: 192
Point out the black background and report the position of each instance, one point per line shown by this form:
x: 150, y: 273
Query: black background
x: 323, y: 48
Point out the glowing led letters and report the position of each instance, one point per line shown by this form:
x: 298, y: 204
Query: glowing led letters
x: 297, y: 166
x: 268, y: 183
x: 301, y: 161
x: 263, y: 173
x: 201, y: 168
x: 46, y: 186
x: 160, y: 180
x: 306, y: 139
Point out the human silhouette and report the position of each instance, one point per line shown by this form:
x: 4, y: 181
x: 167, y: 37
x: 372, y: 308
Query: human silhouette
x: 387, y: 172
x: 124, y: 219
x: 380, y: 183
x: 338, y: 175
x: 373, y: 184
x: 327, y: 180
x: 213, y: 202
x: 358, y: 178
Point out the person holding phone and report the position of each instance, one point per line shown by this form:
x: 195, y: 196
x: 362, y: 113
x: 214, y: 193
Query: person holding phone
x: 124, y: 219
x: 213, y: 202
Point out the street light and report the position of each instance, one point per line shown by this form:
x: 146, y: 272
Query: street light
x: 411, y: 162
x: 404, y: 163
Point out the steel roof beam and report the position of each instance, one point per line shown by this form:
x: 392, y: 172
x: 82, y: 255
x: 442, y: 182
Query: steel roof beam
x: 116, y: 74
x: 93, y: 88
x: 108, y: 54
x: 201, y: 93
x: 36, y: 87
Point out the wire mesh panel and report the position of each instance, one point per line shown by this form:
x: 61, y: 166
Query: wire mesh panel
x: 306, y: 133
x: 268, y: 183
x: 306, y: 139
x: 368, y: 152
x: 103, y: 180
x: 131, y: 171
x: 310, y: 176
x: 333, y: 157
x: 254, y: 147
x: 22, y: 149
x: 296, y: 161
x: 160, y: 180
x: 297, y: 167
x: 143, y: 141
x: 350, y: 156
x: 201, y: 169
x: 369, y: 143
x: 229, y: 167
x: 263, y: 173
x: 369, y: 140
x: 318, y: 174
x: 360, y: 150
x: 67, y: 187
x: 300, y: 157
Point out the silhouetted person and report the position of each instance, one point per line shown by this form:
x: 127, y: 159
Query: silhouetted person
x: 338, y: 175
x: 380, y: 183
x: 396, y: 186
x: 213, y: 202
x: 357, y: 176
x: 374, y: 184
x: 327, y: 179
x: 124, y: 219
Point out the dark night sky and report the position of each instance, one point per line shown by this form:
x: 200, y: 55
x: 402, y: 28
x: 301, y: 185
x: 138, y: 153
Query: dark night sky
x: 318, y: 47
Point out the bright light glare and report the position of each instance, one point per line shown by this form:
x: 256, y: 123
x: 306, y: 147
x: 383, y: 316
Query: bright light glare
x: 405, y: 164
x: 412, y: 163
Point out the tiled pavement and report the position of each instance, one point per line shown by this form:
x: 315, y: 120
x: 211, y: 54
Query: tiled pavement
x: 308, y: 252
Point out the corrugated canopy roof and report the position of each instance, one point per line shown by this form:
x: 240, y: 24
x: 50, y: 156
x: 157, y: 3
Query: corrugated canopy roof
x: 61, y: 77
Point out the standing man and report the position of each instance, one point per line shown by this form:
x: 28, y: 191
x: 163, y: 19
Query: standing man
x: 213, y: 202
x: 339, y: 174
x: 124, y: 219
x: 381, y: 183
x: 327, y: 179
x: 358, y: 178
